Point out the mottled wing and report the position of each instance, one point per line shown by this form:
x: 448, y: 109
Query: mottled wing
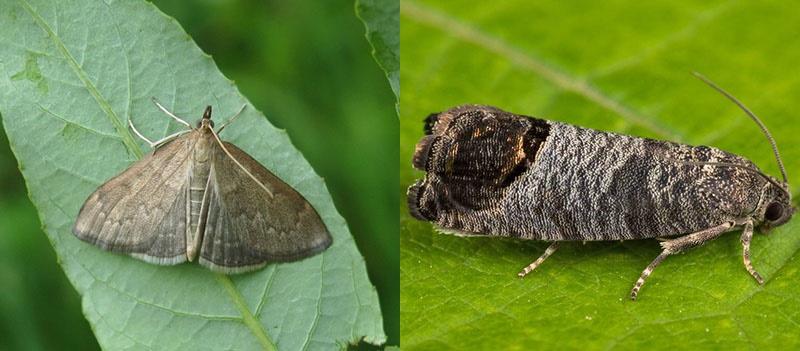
x: 246, y: 227
x: 472, y: 156
x: 142, y: 211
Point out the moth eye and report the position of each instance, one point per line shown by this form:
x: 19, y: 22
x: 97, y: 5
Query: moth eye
x: 774, y: 212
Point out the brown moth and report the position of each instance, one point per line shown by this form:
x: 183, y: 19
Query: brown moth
x: 489, y: 172
x: 197, y: 197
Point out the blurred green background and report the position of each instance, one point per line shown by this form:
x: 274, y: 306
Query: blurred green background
x: 308, y: 67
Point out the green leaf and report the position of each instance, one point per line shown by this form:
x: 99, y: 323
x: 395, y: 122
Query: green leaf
x: 381, y: 20
x: 623, y: 67
x: 71, y: 76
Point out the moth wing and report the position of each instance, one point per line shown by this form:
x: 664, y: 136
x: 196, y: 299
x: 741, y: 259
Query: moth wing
x: 142, y: 211
x: 246, y: 227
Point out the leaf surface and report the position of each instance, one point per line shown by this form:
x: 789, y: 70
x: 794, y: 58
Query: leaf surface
x: 622, y: 66
x: 381, y: 19
x: 71, y: 76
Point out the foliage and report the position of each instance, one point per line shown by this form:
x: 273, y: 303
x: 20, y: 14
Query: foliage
x: 623, y: 67
x: 68, y: 90
x: 381, y: 19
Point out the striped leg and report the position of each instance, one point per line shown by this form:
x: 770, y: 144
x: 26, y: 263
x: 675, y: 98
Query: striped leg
x: 549, y: 251
x: 747, y: 235
x: 646, y: 273
x: 677, y: 245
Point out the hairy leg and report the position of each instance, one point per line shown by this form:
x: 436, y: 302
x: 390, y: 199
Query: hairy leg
x: 677, y: 245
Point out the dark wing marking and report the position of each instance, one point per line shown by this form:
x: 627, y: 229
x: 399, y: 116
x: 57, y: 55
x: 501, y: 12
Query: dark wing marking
x: 142, y: 211
x: 246, y: 227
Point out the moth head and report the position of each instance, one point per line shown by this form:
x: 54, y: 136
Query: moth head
x: 206, y: 121
x: 776, y: 207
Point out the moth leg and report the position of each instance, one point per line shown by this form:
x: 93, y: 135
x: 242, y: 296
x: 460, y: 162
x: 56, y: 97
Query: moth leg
x: 164, y: 109
x: 549, y: 251
x: 155, y: 144
x: 677, y: 245
x: 646, y: 273
x: 747, y: 236
x: 167, y: 138
x: 231, y: 119
x: 136, y: 131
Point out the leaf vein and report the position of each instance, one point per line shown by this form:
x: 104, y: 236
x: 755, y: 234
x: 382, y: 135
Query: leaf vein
x: 154, y: 305
x: 127, y: 138
x: 125, y: 55
x: 559, y: 78
x: 265, y: 292
x: 687, y: 31
x: 249, y: 320
x: 319, y: 300
x: 68, y: 122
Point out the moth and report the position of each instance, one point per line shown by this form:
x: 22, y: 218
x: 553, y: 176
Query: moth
x: 495, y: 173
x: 195, y: 196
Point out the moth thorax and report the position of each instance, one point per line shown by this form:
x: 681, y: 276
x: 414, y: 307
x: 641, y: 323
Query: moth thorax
x: 202, y: 149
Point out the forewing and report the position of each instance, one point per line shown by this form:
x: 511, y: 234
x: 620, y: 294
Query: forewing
x: 246, y: 227
x: 142, y: 211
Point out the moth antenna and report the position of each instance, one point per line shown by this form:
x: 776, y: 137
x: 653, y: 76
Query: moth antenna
x: 164, y: 109
x: 239, y: 164
x: 733, y: 165
x: 231, y: 119
x: 753, y: 117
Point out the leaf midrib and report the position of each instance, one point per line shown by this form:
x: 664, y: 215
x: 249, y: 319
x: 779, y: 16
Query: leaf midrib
x: 559, y: 78
x: 248, y: 318
x: 469, y: 34
x: 127, y: 138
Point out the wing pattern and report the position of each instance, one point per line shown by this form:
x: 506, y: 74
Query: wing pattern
x: 246, y: 227
x: 142, y: 211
